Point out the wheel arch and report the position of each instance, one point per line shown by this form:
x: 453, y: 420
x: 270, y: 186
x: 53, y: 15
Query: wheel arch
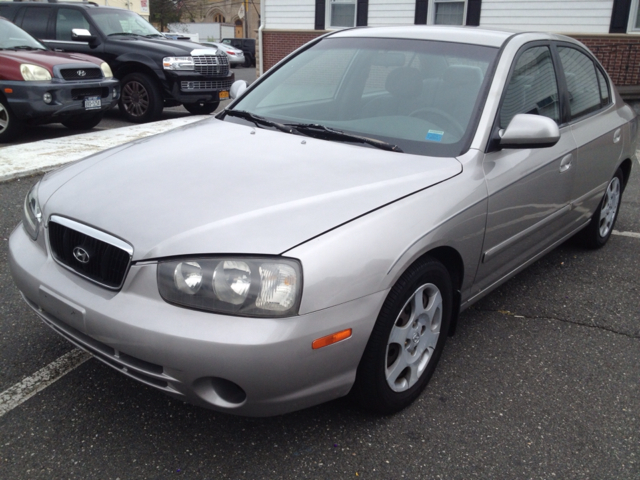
x: 625, y: 166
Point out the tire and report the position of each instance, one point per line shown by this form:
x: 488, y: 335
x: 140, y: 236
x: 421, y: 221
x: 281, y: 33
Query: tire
x: 83, y: 121
x: 597, y: 233
x: 407, y: 339
x: 10, y: 126
x: 140, y: 99
x: 247, y: 60
x: 201, y: 108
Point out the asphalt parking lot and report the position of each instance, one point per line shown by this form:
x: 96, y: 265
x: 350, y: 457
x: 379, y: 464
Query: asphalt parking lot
x: 542, y: 380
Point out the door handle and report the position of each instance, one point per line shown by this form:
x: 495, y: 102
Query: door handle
x: 616, y: 136
x: 565, y: 164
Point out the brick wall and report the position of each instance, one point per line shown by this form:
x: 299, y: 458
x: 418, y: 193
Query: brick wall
x: 619, y: 55
x: 280, y: 43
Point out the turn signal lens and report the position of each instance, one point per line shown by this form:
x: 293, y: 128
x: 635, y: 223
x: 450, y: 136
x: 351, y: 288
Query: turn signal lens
x: 330, y: 339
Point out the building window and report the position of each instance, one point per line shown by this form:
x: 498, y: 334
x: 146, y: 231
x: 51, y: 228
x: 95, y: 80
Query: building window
x: 447, y: 12
x: 218, y: 18
x: 634, y: 17
x: 341, y: 13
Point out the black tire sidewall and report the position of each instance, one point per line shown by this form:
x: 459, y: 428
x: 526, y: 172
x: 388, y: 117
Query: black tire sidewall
x: 156, y: 102
x: 14, y: 127
x: 371, y: 389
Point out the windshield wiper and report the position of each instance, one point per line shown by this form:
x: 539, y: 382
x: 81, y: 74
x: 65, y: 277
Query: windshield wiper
x: 320, y: 131
x: 24, y: 47
x: 124, y: 33
x: 258, y: 120
x: 154, y: 35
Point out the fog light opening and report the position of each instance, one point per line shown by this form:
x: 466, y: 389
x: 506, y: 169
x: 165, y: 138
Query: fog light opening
x: 228, y: 391
x: 114, y: 94
x: 47, y: 98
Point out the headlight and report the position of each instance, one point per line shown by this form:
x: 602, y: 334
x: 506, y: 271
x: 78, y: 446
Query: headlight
x: 31, y: 213
x: 34, y: 73
x: 177, y: 63
x: 246, y: 286
x: 106, y: 70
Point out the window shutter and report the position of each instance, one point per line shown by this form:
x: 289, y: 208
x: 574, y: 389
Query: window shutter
x: 620, y: 16
x: 321, y: 9
x: 473, y: 12
x: 421, y: 12
x: 362, y: 15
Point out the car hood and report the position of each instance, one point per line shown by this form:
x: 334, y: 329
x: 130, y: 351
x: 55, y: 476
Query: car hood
x: 221, y: 187
x: 166, y: 46
x: 46, y: 58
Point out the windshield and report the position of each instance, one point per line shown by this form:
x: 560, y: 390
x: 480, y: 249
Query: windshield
x: 420, y: 95
x: 114, y: 22
x: 13, y: 37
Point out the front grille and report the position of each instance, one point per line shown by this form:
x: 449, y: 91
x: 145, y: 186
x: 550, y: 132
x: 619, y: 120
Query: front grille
x: 82, y: 93
x: 93, y: 254
x: 216, y: 85
x: 211, y: 64
x: 81, y: 73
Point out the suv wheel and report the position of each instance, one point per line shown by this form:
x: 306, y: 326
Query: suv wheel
x: 141, y: 99
x: 201, y: 108
x: 10, y: 126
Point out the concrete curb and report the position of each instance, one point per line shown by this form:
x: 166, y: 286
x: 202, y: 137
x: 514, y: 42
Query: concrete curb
x: 31, y: 158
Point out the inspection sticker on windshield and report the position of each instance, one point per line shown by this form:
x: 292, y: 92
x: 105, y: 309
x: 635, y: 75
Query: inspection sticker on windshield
x: 435, y: 135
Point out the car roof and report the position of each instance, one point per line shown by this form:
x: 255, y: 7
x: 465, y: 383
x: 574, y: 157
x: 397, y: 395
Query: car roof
x: 472, y: 35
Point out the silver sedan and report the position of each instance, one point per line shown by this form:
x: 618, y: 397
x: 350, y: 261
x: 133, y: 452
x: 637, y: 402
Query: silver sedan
x: 320, y: 236
x: 235, y: 55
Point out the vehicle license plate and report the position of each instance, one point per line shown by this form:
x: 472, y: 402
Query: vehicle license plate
x: 224, y: 95
x: 91, y: 103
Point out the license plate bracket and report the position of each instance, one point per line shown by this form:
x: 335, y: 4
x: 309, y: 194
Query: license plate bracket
x: 92, y: 103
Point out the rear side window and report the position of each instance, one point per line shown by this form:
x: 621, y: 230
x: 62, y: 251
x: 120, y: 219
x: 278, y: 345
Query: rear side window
x: 533, y: 88
x: 35, y: 21
x: 604, y: 88
x: 582, y: 82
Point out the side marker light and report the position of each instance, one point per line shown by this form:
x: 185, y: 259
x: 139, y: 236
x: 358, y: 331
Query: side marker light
x: 330, y: 339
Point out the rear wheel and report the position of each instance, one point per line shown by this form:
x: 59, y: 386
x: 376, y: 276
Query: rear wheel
x: 83, y: 122
x: 407, y: 339
x: 597, y: 233
x: 201, y: 108
x: 10, y: 126
x: 141, y: 99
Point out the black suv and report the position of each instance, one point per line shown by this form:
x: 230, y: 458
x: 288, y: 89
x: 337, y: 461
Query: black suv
x: 154, y: 71
x: 247, y: 45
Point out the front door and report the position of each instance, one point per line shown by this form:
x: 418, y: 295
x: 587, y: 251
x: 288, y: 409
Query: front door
x: 529, y: 189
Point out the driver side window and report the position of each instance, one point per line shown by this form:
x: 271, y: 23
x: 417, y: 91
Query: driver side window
x: 532, y: 88
x: 68, y: 19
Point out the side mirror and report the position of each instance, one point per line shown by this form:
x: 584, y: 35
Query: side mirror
x: 529, y: 131
x: 237, y: 89
x: 83, y: 35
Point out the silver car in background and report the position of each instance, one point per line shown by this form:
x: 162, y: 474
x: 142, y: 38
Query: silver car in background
x: 235, y: 55
x: 320, y: 236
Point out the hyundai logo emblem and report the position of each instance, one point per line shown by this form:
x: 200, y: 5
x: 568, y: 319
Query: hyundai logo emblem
x: 81, y: 73
x: 81, y: 255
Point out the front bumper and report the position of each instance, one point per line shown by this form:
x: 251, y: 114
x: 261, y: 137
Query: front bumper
x: 245, y: 366
x: 191, y: 87
x: 68, y: 98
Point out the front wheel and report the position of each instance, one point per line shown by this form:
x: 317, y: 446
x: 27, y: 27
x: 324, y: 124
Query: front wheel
x: 597, y: 233
x: 141, y: 99
x: 201, y: 108
x: 83, y: 122
x: 407, y: 339
x: 10, y: 126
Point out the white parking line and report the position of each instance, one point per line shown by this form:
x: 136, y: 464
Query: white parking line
x: 626, y: 234
x: 27, y: 388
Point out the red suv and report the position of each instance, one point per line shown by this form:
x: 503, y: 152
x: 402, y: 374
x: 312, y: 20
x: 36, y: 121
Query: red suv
x: 40, y: 86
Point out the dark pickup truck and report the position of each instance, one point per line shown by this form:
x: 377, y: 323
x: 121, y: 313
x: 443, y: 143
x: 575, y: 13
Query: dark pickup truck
x: 154, y: 71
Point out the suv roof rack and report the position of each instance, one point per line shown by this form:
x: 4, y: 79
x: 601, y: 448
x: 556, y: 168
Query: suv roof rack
x: 85, y: 2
